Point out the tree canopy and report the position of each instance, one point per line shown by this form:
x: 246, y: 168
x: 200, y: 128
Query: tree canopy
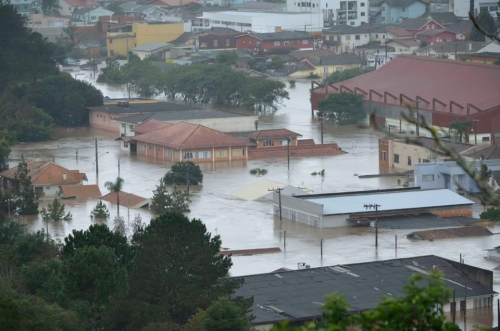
x: 337, y: 77
x: 165, y: 201
x: 486, y: 22
x: 342, y: 108
x: 183, y: 173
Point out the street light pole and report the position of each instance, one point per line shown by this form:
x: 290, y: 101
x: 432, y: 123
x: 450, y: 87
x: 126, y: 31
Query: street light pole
x: 288, y: 151
x: 321, y: 116
x: 418, y: 120
x: 96, y: 163
x: 374, y: 206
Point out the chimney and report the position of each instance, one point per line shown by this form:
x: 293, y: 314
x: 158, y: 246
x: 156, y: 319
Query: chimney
x: 65, y: 176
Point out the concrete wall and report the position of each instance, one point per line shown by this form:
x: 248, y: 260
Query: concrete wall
x: 147, y: 33
x: 482, y: 276
x: 299, y: 210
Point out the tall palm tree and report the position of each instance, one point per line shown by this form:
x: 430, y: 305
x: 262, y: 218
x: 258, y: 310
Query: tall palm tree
x: 116, y: 187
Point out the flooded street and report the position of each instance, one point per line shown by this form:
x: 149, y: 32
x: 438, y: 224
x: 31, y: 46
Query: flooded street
x: 250, y: 224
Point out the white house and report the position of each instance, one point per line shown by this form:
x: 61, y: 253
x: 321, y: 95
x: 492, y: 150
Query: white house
x: 89, y: 16
x: 66, y: 7
x: 404, y: 46
x: 345, y: 38
x: 262, y: 22
x: 461, y: 8
x: 449, y: 49
x: 449, y: 175
x: 334, y: 12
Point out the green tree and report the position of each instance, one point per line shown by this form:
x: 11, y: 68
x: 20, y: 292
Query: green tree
x: 177, y: 270
x: 420, y: 308
x: 111, y: 74
x: 35, y: 246
x: 277, y: 63
x: 165, y: 201
x: 486, y: 22
x: 10, y: 314
x: 226, y: 57
x: 4, y: 154
x: 99, y: 235
x: 115, y: 187
x: 490, y: 214
x: 56, y: 212
x: 100, y: 210
x: 264, y: 95
x: 258, y: 172
x: 184, y: 173
x: 343, y: 108
x: 94, y: 274
x: 337, y: 77
x: 27, y: 201
x: 223, y: 315
x: 459, y: 130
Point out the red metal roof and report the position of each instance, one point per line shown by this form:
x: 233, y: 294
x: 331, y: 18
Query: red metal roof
x: 273, y: 133
x: 186, y: 135
x: 430, y: 78
x: 128, y: 200
x: 150, y: 126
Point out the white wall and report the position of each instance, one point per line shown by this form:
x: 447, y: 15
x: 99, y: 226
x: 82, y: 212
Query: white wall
x: 263, y: 22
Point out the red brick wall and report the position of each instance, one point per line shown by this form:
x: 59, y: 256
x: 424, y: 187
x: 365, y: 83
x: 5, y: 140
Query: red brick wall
x: 223, y: 41
x: 249, y: 42
x: 454, y: 212
x: 383, y: 146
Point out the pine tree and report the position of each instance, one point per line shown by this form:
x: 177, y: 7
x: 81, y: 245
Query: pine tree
x: 485, y: 22
x: 164, y: 201
x: 56, y: 212
x: 27, y: 203
x: 100, y: 210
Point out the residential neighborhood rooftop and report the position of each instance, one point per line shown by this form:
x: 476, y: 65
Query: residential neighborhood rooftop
x: 149, y: 47
x: 414, y: 23
x: 142, y: 108
x: 280, y: 35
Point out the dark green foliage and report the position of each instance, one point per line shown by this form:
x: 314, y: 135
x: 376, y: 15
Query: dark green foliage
x: 258, y: 171
x: 10, y: 232
x: 98, y: 235
x: 65, y: 99
x: 55, y: 212
x: 226, y: 57
x: 33, y: 247
x: 420, y: 308
x: 10, y: 314
x: 459, y: 130
x: 490, y: 214
x: 337, y: 77
x: 176, y: 268
x: 27, y: 201
x: 4, y: 154
x: 36, y: 273
x: 343, y: 108
x: 100, y: 210
x: 184, y: 173
x: 165, y: 201
x: 115, y: 187
x: 485, y: 22
x: 223, y: 315
x: 94, y: 274
x: 112, y: 74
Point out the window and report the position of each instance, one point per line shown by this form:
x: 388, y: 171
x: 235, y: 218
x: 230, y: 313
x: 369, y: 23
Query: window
x: 204, y: 44
x: 383, y: 9
x: 150, y: 147
x: 362, y: 13
x: 351, y: 23
x: 383, y: 156
x: 215, y: 43
x: 142, y: 147
x: 227, y: 43
x: 238, y: 152
x: 376, y: 36
x: 357, y: 37
x: 347, y: 38
x: 409, y: 160
x: 305, y: 42
x: 383, y: 36
x: 396, y: 158
x: 131, y: 127
x: 204, y: 155
x: 268, y: 143
x: 284, y: 142
x: 286, y: 43
x: 427, y: 178
x: 277, y: 43
x: 448, y: 38
x: 221, y: 153
x: 188, y: 155
x: 362, y: 4
x: 338, y: 69
x: 168, y: 152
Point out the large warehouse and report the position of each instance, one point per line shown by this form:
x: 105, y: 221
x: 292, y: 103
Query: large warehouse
x: 444, y: 90
x: 339, y: 209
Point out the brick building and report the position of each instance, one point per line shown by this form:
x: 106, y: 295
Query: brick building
x: 268, y: 42
x: 218, y: 38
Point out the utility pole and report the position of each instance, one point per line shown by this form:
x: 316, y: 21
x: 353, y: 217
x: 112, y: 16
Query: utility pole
x: 321, y: 116
x: 418, y: 120
x: 278, y: 190
x: 119, y: 168
x: 288, y: 151
x: 187, y: 179
x: 374, y: 206
x: 96, y: 163
x: 475, y: 131
x: 456, y: 58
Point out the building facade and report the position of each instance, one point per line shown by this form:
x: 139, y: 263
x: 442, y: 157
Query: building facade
x: 334, y: 12
x: 395, y: 11
x: 265, y: 42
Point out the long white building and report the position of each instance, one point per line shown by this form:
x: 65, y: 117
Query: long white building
x: 262, y: 22
x: 334, y: 12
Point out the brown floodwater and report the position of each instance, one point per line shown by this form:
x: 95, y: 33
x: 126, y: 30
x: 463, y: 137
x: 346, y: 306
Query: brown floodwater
x: 251, y: 224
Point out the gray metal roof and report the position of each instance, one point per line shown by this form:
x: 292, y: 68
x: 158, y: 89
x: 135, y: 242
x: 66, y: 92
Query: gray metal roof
x: 143, y: 108
x: 149, y: 47
x: 299, y: 294
x: 182, y: 115
x: 388, y: 201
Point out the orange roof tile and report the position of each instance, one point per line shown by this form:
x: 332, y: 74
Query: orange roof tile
x: 48, y: 173
x: 81, y: 191
x: 128, y: 200
x: 150, y: 126
x: 186, y: 135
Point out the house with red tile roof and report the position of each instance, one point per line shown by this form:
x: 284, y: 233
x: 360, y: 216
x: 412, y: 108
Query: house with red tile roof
x: 418, y: 25
x: 445, y: 91
x: 127, y: 200
x: 80, y: 192
x: 66, y: 7
x: 47, y: 178
x: 186, y: 141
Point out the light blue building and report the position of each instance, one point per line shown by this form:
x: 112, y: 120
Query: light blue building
x: 24, y: 7
x: 395, y: 11
x: 449, y: 175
